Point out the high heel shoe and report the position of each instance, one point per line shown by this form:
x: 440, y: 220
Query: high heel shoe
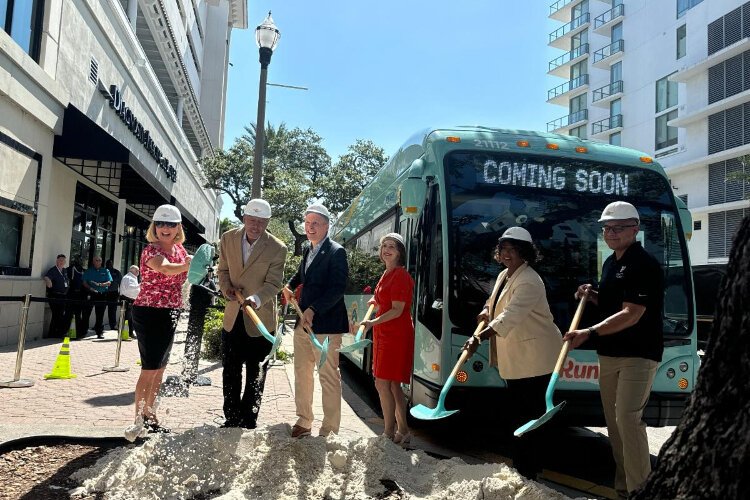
x: 402, y: 439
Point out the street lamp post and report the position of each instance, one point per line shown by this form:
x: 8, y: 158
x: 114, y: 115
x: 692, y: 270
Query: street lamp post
x: 267, y: 36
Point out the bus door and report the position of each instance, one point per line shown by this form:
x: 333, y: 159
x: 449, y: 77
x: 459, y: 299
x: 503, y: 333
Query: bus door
x: 429, y: 290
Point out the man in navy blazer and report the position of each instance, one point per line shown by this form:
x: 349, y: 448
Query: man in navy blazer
x: 323, y: 273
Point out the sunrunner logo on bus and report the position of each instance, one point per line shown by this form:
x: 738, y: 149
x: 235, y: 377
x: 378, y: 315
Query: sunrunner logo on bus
x: 537, y: 175
x: 575, y: 371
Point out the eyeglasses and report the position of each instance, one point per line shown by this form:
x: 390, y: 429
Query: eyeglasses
x: 162, y: 224
x: 616, y: 229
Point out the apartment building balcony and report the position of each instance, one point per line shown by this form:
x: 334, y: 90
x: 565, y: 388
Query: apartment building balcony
x: 560, y: 10
x: 687, y: 72
x: 606, y: 127
x: 561, y: 94
x: 603, y: 22
x: 602, y: 95
x: 609, y: 54
x: 563, y: 123
x: 560, y: 66
x: 560, y: 38
x: 694, y: 114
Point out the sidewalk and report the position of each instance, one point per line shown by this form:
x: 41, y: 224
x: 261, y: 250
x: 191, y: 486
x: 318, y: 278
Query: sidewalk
x: 100, y: 404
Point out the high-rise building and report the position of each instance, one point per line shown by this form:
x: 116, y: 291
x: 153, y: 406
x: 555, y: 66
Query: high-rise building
x: 670, y: 78
x: 106, y: 108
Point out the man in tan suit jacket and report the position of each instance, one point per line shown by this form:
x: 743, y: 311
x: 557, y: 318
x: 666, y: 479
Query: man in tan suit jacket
x: 251, y: 262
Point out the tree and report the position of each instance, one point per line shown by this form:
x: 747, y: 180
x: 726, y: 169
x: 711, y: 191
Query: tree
x: 297, y: 170
x: 231, y: 172
x: 740, y: 177
x: 357, y: 166
x: 226, y: 225
x: 708, y: 455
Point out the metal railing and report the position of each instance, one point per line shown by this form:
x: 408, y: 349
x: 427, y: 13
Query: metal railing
x: 568, y: 86
x: 612, y: 48
x: 569, y: 56
x: 567, y: 28
x: 606, y: 91
x: 559, y: 5
x: 613, y: 13
x: 567, y: 120
x: 614, y: 121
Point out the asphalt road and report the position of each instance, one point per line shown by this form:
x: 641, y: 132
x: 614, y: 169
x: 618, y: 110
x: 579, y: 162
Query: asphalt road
x: 574, y: 457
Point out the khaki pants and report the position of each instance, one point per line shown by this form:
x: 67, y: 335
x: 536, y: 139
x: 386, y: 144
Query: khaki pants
x: 625, y: 384
x: 306, y: 357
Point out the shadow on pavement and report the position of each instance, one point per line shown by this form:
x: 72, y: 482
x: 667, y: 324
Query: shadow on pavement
x: 124, y: 399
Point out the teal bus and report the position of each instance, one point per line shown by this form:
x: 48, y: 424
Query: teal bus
x: 451, y: 192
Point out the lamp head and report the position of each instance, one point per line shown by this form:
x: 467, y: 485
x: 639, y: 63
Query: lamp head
x: 267, y: 34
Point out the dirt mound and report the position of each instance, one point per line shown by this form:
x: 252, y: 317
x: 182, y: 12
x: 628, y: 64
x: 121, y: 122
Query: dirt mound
x: 207, y: 462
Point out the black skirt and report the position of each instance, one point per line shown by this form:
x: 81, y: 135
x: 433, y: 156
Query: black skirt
x: 156, y: 328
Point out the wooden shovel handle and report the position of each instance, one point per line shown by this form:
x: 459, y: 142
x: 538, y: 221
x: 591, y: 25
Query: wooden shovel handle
x: 573, y: 326
x: 465, y: 353
x: 247, y: 308
x: 293, y: 301
x: 361, y: 328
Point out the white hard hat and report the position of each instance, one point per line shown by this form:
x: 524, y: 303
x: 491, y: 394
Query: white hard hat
x: 318, y: 208
x: 258, y: 208
x: 167, y: 213
x: 392, y: 236
x: 619, y: 210
x: 516, y: 233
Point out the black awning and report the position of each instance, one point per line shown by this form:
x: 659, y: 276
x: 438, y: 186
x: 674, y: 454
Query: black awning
x: 84, y: 139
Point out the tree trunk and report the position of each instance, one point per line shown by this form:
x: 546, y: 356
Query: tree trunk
x: 708, y: 456
x: 299, y: 238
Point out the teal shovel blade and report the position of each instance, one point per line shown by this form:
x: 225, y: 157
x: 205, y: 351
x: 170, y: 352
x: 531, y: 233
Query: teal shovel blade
x: 199, y: 265
x: 533, y: 424
x: 356, y: 345
x: 423, y: 413
x: 323, y: 348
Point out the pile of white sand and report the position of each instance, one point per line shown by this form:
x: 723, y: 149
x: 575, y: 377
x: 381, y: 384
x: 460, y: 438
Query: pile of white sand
x: 267, y: 463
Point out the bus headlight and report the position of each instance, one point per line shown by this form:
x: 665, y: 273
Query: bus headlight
x: 478, y: 366
x: 684, y: 366
x: 462, y: 376
x: 670, y: 373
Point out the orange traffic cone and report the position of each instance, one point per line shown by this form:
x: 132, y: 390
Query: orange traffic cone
x: 62, y: 363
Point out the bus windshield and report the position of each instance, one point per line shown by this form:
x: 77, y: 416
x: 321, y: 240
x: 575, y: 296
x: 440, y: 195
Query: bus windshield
x: 559, y: 201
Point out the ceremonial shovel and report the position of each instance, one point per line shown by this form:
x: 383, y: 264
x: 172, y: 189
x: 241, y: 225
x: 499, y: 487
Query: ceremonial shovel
x: 422, y: 412
x: 358, y: 342
x: 323, y: 348
x: 551, y: 409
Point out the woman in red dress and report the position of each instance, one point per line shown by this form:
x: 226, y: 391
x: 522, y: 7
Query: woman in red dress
x: 393, y: 339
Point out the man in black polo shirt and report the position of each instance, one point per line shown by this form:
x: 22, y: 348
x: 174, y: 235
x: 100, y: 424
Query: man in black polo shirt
x: 57, y: 283
x: 628, y: 340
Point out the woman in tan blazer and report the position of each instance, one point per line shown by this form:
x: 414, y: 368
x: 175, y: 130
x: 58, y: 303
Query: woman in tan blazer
x: 524, y: 341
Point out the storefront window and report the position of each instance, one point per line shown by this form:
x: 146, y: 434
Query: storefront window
x: 11, y: 225
x: 93, y: 226
x: 22, y: 19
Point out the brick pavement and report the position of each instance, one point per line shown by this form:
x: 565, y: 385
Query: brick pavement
x: 100, y: 404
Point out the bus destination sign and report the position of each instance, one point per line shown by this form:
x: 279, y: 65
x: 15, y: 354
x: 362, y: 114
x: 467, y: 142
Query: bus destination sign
x: 537, y: 175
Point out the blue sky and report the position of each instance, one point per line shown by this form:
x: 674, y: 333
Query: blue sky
x: 381, y: 70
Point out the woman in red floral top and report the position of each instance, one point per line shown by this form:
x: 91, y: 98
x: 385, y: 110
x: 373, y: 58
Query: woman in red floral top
x: 164, y: 266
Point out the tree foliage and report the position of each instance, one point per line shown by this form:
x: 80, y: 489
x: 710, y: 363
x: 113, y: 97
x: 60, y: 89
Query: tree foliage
x: 355, y: 168
x: 297, y: 170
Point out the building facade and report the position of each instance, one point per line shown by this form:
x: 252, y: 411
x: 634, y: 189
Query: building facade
x: 670, y: 78
x: 106, y: 107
